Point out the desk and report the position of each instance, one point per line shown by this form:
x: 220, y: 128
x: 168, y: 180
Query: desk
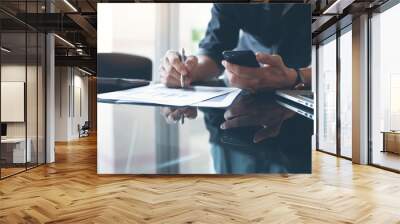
x: 13, y: 150
x: 140, y: 139
x: 391, y: 141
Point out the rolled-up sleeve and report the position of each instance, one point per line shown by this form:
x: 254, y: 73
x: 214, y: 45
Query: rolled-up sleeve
x: 222, y: 34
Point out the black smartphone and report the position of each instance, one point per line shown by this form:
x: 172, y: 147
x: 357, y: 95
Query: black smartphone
x: 243, y: 58
x: 242, y: 136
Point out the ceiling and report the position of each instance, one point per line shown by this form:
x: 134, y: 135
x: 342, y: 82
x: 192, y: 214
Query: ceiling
x: 76, y: 22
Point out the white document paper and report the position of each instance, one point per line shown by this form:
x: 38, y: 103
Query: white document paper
x: 219, y: 101
x: 160, y: 94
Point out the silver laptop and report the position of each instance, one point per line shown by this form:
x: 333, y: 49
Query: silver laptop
x: 303, y: 97
x: 306, y: 113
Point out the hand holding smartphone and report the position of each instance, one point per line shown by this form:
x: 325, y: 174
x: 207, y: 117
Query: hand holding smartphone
x: 243, y: 58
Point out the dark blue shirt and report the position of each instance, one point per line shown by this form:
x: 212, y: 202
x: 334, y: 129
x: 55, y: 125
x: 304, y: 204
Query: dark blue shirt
x: 283, y: 29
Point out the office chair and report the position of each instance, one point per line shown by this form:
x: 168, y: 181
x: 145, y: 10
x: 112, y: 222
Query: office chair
x: 112, y: 67
x: 84, y: 130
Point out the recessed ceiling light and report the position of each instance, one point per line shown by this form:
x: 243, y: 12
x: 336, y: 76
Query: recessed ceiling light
x: 64, y: 40
x: 337, y: 7
x: 5, y: 50
x: 84, y: 71
x: 70, y: 5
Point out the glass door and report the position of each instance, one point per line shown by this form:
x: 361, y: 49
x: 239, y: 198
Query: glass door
x: 32, y: 98
x: 345, y: 93
x: 385, y: 89
x: 326, y: 96
x: 14, y: 153
x: 23, y: 88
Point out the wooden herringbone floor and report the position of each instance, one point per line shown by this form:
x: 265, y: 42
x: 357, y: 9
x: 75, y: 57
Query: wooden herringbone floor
x: 70, y: 191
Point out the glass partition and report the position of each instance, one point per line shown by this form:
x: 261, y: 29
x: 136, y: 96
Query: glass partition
x: 14, y: 153
x: 22, y: 92
x: 31, y: 100
x: 385, y: 89
x: 326, y: 96
x: 346, y: 93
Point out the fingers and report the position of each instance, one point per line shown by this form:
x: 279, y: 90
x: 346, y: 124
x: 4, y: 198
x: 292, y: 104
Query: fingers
x: 166, y: 112
x: 173, y: 82
x: 190, y: 112
x: 169, y: 70
x: 235, y: 112
x: 242, y: 83
x: 171, y: 78
x: 268, y: 59
x: 175, y: 61
x: 172, y: 115
x: 243, y: 71
x: 178, y: 113
x: 240, y: 121
x: 172, y: 68
x: 268, y: 77
x: 273, y: 75
x: 261, y: 135
x: 243, y: 105
x: 267, y: 132
x: 191, y: 62
x: 242, y: 77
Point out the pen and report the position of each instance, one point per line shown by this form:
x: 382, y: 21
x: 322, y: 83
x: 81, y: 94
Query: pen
x: 183, y: 59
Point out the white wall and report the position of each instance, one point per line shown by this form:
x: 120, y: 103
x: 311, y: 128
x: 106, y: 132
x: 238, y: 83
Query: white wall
x: 33, y: 126
x: 12, y: 101
x: 70, y: 84
x: 62, y: 82
x: 16, y: 73
x: 79, y: 117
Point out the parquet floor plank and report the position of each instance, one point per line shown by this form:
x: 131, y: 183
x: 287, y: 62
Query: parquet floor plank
x: 70, y: 191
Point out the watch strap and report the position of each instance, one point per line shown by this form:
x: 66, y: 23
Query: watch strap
x: 300, y: 83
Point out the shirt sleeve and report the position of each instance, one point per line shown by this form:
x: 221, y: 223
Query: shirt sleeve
x: 296, y: 37
x: 222, y: 34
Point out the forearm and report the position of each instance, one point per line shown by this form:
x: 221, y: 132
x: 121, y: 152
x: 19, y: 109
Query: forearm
x: 206, y: 69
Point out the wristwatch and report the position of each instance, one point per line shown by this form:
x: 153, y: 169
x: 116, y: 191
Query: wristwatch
x: 300, y: 83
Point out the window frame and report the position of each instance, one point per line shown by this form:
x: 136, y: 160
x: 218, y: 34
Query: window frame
x: 333, y: 37
x: 27, y: 29
x: 378, y: 10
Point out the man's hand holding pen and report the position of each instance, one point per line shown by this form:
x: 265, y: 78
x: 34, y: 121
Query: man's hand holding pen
x: 176, y: 69
x: 173, y: 115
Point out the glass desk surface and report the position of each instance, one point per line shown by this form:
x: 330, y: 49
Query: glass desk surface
x: 264, y: 137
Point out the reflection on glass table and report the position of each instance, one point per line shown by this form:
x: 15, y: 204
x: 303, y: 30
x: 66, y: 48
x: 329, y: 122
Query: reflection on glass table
x: 253, y: 135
